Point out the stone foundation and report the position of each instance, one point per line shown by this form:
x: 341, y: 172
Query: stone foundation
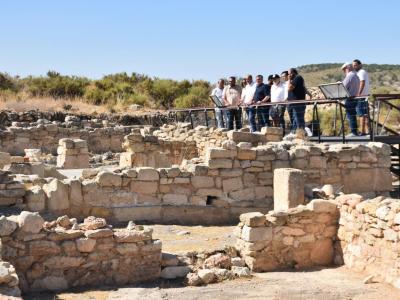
x: 369, y: 235
x: 72, y: 154
x: 150, y: 151
x: 300, y: 237
x: 62, y: 254
x: 11, y: 191
x: 15, y: 140
x: 227, y: 181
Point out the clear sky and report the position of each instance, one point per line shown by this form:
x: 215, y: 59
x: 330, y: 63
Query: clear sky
x: 200, y: 39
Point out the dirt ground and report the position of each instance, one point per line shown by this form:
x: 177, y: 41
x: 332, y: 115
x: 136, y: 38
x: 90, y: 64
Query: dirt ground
x: 318, y: 284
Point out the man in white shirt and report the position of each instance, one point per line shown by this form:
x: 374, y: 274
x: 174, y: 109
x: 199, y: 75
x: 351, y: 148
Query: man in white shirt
x: 220, y: 114
x: 247, y: 100
x: 362, y: 104
x: 278, y: 94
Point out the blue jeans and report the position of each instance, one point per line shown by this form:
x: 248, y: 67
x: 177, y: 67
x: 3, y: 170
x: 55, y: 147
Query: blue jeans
x: 291, y: 117
x: 298, y: 111
x: 361, y: 108
x: 251, y: 114
x: 263, y: 116
x: 350, y: 106
x: 234, y: 114
x: 221, y: 116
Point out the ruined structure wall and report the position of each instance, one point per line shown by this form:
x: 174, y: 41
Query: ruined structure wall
x: 369, y: 235
x: 15, y: 139
x: 230, y: 182
x: 300, y: 237
x: 62, y: 255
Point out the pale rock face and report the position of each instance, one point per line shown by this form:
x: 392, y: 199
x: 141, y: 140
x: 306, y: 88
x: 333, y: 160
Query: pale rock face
x: 106, y: 178
x: 288, y: 188
x: 57, y: 193
x: 35, y: 199
x: 92, y: 223
x: 323, y: 206
x: 147, y: 174
x: 253, y: 219
x: 85, y: 244
x: 207, y: 276
x: 30, y: 222
x: 255, y: 234
x: 173, y: 272
x: 218, y: 260
x: 7, y: 226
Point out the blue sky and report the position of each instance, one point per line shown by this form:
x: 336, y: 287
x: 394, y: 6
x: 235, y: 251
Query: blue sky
x: 193, y: 39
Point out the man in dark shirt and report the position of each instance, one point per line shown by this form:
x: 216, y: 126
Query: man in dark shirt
x: 262, y: 95
x: 296, y: 91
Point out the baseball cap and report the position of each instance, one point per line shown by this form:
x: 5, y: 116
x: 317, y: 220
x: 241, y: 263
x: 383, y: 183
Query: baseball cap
x: 345, y: 65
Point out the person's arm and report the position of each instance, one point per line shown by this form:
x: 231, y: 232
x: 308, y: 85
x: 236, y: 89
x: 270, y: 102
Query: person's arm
x: 362, y: 86
x: 267, y: 97
x: 292, y: 84
x: 224, y: 97
x: 308, y: 93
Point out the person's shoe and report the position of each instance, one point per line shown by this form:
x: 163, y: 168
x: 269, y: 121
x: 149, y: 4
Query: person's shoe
x: 351, y: 135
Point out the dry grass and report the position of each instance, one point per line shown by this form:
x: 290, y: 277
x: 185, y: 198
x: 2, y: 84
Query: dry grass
x: 76, y: 106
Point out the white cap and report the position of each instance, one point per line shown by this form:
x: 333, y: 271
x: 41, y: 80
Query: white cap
x: 345, y: 65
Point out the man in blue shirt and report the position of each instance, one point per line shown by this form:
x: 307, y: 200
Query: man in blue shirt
x: 262, y: 95
x: 351, y: 82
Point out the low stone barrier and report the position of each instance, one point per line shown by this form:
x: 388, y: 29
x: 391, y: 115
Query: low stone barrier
x: 45, y: 137
x: 227, y: 182
x: 72, y: 154
x: 369, y: 235
x: 299, y: 237
x: 11, y: 191
x: 150, y: 151
x: 63, y: 254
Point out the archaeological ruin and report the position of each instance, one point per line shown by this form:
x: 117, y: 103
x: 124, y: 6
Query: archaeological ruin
x: 78, y: 198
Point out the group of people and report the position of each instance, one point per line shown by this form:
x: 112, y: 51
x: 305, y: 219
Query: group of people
x: 251, y: 96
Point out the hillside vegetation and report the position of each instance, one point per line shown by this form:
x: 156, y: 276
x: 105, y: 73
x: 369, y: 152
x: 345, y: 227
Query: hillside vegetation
x: 118, y: 91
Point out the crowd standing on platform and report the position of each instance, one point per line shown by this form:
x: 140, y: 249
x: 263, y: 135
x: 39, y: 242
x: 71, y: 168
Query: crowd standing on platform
x: 248, y: 97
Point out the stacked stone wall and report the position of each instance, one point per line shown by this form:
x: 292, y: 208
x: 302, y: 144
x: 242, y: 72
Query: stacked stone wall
x: 299, y: 237
x: 63, y: 254
x: 45, y: 137
x: 230, y: 181
x: 369, y: 235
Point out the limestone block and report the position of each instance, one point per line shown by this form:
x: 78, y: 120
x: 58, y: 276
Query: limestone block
x: 253, y: 219
x: 288, y: 188
x: 246, y: 194
x: 175, y: 199
x: 57, y: 193
x: 322, y: 252
x: 172, y: 272
x: 7, y: 226
x: 255, y: 234
x: 127, y: 159
x: 147, y: 174
x: 246, y: 154
x: 35, y: 199
x: 30, y: 222
x: 141, y: 187
x: 109, y: 179
x: 5, y: 159
x: 202, y: 182
x: 232, y: 184
x: 213, y: 153
x: 366, y: 180
x: 323, y: 206
x: 220, y: 163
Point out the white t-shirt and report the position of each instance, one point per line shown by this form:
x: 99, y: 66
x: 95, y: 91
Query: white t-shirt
x: 248, y: 93
x: 363, y: 75
x: 218, y: 93
x: 278, y: 92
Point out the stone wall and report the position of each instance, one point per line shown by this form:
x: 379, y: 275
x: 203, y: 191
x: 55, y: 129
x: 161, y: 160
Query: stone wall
x: 369, y: 235
x: 150, y: 151
x: 62, y: 254
x: 11, y: 191
x: 72, y: 154
x: 45, y: 137
x: 229, y: 181
x: 300, y: 237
